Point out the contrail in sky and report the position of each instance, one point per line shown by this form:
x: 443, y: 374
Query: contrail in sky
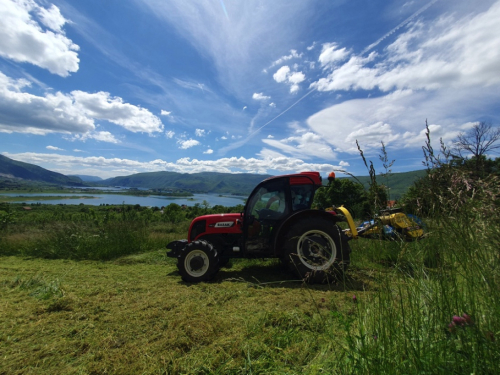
x: 398, y: 26
x: 425, y: 7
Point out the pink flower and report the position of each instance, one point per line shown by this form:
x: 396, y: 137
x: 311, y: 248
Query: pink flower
x: 354, y: 299
x: 468, y: 319
x: 459, y: 321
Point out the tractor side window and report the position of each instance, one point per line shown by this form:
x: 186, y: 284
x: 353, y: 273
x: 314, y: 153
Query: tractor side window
x: 302, y: 196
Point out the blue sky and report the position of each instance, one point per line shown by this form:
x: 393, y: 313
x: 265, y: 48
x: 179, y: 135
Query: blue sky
x: 110, y: 88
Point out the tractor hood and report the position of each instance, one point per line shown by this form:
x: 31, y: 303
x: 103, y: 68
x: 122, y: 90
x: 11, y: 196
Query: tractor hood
x: 215, y: 224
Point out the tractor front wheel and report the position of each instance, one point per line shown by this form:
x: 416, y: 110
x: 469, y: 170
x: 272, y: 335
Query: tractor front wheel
x: 314, y: 250
x: 198, y: 262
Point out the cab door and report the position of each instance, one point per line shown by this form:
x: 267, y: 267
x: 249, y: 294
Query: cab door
x: 266, y: 207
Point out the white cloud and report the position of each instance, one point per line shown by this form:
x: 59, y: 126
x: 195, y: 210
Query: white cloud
x: 201, y: 132
x: 23, y: 112
x: 223, y: 137
x: 165, y: 113
x: 110, y: 167
x: 245, y: 107
x: 102, y: 136
x: 331, y: 55
x: 105, y: 107
x: 344, y: 164
x: 283, y: 74
x: 23, y: 39
x: 54, y: 148
x: 260, y: 96
x: 293, y: 55
x: 77, y: 150
x: 270, y: 136
x: 447, y: 71
x: 450, y: 52
x: 185, y: 144
x: 169, y: 134
x: 311, y: 47
x: 209, y: 151
x: 272, y: 105
x: 303, y: 144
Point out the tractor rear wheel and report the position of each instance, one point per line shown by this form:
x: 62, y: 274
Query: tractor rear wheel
x: 198, y: 262
x: 315, y: 251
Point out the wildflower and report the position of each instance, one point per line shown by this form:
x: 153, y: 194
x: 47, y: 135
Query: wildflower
x: 458, y: 320
x: 354, y: 299
x: 468, y: 319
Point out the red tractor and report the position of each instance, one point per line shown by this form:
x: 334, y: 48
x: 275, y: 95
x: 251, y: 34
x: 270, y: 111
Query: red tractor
x: 277, y: 222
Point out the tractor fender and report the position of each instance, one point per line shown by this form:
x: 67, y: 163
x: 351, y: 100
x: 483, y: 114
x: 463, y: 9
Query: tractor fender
x: 279, y: 238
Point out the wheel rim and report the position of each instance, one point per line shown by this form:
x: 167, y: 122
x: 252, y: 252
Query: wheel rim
x: 316, y: 250
x: 196, y: 263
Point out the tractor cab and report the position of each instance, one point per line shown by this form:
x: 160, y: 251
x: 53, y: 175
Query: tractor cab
x: 271, y: 203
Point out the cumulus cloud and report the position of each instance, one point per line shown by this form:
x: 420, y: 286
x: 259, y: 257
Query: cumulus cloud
x: 209, y: 151
x: 54, y: 148
x: 284, y: 74
x: 187, y: 143
x: 331, y: 55
x: 260, y: 96
x: 109, y: 167
x: 165, y: 113
x: 169, y: 134
x: 33, y: 34
x: 272, y: 105
x: 23, y: 112
x: 102, y: 105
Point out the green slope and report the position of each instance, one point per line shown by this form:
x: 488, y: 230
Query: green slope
x: 205, y: 182
x: 10, y: 168
x: 397, y: 182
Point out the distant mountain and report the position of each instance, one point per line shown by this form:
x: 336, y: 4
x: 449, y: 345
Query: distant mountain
x: 14, y: 169
x: 86, y: 178
x: 205, y: 182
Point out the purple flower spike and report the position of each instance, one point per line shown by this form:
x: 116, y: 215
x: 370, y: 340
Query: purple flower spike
x: 354, y: 299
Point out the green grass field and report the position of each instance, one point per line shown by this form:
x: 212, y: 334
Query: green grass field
x: 73, y: 302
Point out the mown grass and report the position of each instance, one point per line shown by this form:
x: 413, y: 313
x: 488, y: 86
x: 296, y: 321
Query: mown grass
x: 131, y: 313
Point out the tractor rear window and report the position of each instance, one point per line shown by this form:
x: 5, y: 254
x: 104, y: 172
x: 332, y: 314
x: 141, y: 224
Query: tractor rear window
x: 302, y: 196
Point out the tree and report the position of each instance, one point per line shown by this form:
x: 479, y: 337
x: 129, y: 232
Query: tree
x: 478, y: 141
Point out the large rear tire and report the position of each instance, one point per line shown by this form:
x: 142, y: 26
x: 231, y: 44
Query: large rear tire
x: 198, y: 262
x: 316, y: 251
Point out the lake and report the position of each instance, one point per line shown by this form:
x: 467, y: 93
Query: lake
x: 149, y: 201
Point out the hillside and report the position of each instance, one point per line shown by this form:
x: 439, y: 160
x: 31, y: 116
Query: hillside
x: 397, y: 182
x: 205, y: 182
x: 13, y: 169
x: 86, y: 178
